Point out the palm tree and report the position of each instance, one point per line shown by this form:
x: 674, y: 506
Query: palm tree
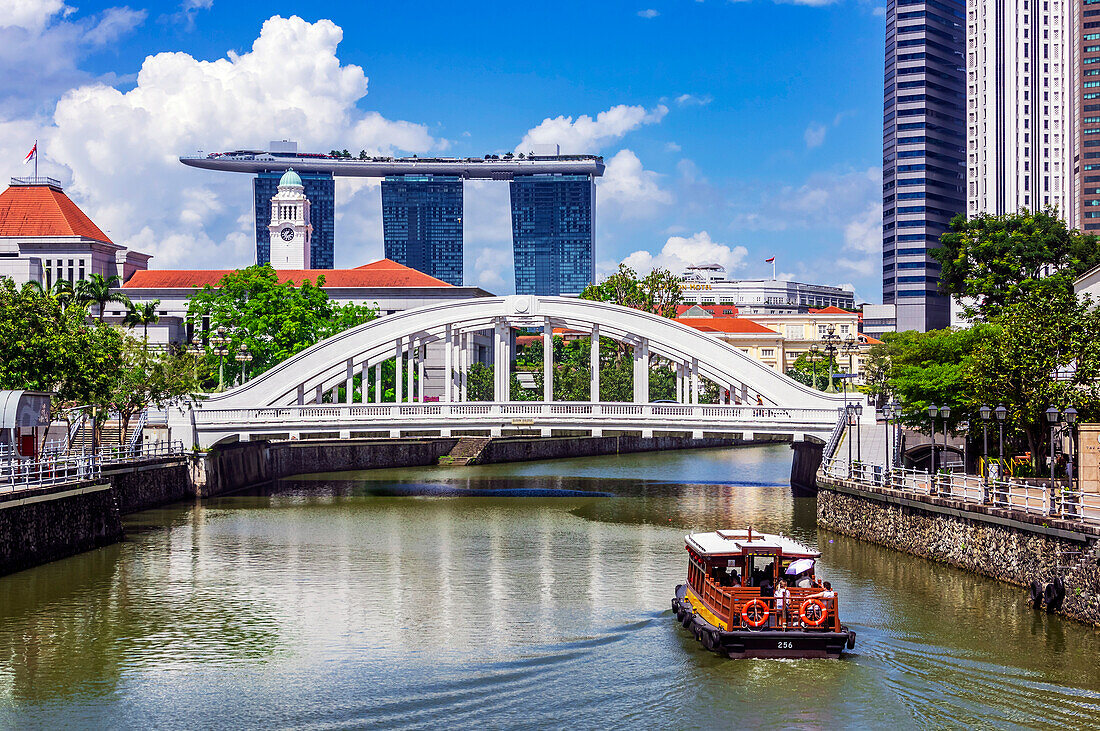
x: 63, y: 292
x: 145, y: 315
x: 97, y: 289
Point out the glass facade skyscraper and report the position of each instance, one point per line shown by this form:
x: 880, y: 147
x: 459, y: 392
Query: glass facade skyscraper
x: 320, y: 189
x: 553, y: 234
x: 422, y: 224
x: 923, y: 155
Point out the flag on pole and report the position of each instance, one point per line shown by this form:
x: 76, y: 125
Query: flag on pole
x: 769, y: 261
x: 33, y: 154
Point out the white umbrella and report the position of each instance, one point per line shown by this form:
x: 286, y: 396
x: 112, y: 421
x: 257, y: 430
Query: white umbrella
x: 802, y: 564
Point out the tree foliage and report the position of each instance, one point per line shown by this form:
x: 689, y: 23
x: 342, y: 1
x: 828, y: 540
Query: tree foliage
x: 273, y: 319
x: 658, y: 292
x: 1044, y: 351
x: 997, y: 260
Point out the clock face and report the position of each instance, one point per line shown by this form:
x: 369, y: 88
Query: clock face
x: 286, y: 234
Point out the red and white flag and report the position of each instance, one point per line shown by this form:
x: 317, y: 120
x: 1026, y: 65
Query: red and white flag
x: 769, y: 261
x: 33, y: 154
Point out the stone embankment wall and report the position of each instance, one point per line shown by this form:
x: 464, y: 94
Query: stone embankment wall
x: 995, y: 542
x: 526, y: 449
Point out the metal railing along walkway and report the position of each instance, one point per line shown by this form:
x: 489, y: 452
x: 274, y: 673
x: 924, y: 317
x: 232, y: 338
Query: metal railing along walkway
x: 1052, y: 500
x: 54, y: 469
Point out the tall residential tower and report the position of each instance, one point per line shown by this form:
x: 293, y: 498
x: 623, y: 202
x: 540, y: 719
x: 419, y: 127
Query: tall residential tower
x: 1019, y: 106
x: 923, y: 160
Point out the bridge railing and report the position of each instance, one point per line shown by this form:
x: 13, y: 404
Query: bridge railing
x: 489, y: 411
x: 1047, y: 500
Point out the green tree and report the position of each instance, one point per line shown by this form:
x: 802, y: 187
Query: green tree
x: 658, y: 292
x: 932, y: 368
x: 273, y: 319
x: 998, y: 260
x: 97, y: 290
x: 142, y: 380
x: 144, y: 315
x: 1044, y: 351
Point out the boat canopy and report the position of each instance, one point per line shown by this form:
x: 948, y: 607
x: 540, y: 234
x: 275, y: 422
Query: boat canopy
x: 737, y: 542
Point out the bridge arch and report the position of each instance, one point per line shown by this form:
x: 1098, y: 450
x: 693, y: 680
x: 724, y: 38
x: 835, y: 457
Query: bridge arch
x: 336, y: 360
x: 289, y: 398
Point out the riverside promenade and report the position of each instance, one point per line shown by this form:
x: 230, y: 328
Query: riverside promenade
x: 1045, y: 537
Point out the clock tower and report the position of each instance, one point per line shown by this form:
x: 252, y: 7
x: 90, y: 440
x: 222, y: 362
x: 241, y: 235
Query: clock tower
x: 290, y: 230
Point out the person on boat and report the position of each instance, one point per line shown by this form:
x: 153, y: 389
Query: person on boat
x: 782, y: 600
x: 827, y: 594
x: 803, y: 580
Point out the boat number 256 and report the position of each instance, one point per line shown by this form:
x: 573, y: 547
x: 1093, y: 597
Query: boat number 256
x: 783, y: 645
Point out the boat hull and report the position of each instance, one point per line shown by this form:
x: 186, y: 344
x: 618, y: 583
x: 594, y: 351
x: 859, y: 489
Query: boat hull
x: 763, y: 643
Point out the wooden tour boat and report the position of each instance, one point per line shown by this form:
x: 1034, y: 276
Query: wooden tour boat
x: 729, y: 601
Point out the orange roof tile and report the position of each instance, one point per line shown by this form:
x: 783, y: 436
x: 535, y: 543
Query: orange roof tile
x: 830, y: 310
x: 726, y: 325
x: 41, y: 210
x: 383, y: 273
x: 716, y: 310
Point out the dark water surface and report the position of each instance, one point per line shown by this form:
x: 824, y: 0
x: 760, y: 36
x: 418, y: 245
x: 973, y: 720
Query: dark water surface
x: 529, y: 595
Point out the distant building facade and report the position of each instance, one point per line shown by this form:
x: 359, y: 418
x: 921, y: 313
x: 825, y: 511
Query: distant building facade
x: 707, y: 284
x: 46, y: 238
x: 553, y: 233
x: 320, y: 188
x: 422, y: 224
x: 923, y: 155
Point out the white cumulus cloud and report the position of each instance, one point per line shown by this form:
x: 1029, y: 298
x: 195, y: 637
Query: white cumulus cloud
x: 628, y: 188
x: 121, y: 147
x: 648, y: 13
x: 680, y: 252
x: 587, y: 135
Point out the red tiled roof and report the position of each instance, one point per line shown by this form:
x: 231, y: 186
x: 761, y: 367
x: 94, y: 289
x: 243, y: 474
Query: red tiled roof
x: 40, y: 210
x: 382, y: 273
x: 830, y: 310
x: 869, y: 340
x: 726, y: 325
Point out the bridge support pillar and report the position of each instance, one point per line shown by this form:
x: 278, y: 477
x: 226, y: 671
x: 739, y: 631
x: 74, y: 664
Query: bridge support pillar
x: 641, y: 371
x: 594, y: 366
x: 449, y: 365
x: 399, y: 355
x: 410, y: 370
x: 547, y: 361
x: 680, y: 383
x: 694, y: 380
x: 349, y: 384
x: 345, y: 433
x: 696, y: 433
x: 319, y: 395
x: 395, y: 433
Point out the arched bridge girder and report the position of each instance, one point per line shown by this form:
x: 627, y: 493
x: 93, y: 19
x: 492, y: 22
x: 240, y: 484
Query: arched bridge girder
x: 325, y: 364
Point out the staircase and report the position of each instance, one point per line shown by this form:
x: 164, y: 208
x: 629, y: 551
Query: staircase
x: 108, y: 437
x: 466, y: 451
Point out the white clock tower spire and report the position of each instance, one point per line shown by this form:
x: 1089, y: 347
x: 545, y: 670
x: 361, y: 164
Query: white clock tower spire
x: 290, y: 230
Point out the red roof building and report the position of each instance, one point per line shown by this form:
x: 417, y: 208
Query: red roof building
x: 46, y: 238
x: 379, y: 274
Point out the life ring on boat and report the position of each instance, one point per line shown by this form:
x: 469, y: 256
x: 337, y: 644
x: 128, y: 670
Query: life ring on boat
x: 814, y: 619
x: 754, y: 613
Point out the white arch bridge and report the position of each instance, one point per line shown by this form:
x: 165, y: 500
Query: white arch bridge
x: 313, y: 394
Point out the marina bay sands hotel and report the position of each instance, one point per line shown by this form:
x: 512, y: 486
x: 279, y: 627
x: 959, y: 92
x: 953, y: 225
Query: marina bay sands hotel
x: 553, y: 200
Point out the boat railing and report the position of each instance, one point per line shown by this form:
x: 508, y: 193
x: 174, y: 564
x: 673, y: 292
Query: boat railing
x: 728, y: 601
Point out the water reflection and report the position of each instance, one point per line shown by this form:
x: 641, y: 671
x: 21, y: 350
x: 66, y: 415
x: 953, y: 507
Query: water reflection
x: 511, y: 595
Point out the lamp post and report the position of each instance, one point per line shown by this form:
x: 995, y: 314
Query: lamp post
x: 933, y: 412
x: 831, y: 347
x: 1001, y: 412
x: 814, y: 355
x: 1070, y: 415
x: 886, y: 414
x: 895, y: 410
x: 1052, y: 415
x: 985, y: 412
x: 857, y: 409
x: 219, y: 341
x: 244, y: 357
x: 945, y: 414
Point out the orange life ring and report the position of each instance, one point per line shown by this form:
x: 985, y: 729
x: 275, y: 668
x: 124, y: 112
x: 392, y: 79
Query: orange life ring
x: 823, y: 612
x: 758, y: 614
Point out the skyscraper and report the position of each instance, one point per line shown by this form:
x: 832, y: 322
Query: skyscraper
x: 923, y: 158
x: 1084, y: 47
x: 422, y: 223
x: 1019, y: 106
x: 553, y: 235
x: 320, y: 189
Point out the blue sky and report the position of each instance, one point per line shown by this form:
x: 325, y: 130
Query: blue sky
x: 733, y: 131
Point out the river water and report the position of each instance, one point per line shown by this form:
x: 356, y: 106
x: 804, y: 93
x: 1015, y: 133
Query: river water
x: 527, y: 595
